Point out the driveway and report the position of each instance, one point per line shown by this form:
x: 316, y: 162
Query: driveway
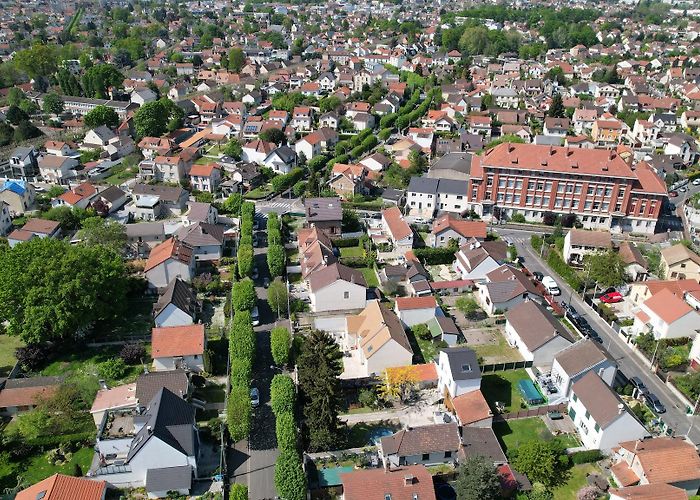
x: 627, y: 361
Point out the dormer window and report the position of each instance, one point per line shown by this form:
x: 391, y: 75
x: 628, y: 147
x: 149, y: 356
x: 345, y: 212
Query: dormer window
x: 466, y: 368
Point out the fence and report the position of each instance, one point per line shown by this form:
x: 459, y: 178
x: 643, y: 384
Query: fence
x: 533, y: 412
x: 502, y: 367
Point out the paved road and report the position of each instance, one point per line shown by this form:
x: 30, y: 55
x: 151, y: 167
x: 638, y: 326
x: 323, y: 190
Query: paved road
x: 253, y: 462
x: 279, y: 205
x: 627, y: 361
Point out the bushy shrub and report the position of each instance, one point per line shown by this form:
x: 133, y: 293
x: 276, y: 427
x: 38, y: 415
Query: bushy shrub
x: 112, y: 369
x: 32, y: 356
x: 282, y: 394
x: 133, y: 353
x: 585, y: 457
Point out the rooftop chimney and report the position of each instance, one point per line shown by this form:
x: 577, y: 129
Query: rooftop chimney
x: 620, y: 408
x: 149, y: 429
x: 408, y: 480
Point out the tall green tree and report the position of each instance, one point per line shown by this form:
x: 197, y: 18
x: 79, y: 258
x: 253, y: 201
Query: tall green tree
x: 50, y: 290
x: 157, y: 117
x: 539, y: 461
x: 98, y: 79
x: 280, y: 344
x: 478, y: 480
x: 236, y: 60
x: 276, y: 259
x: 277, y: 296
x: 103, y: 232
x: 320, y: 365
x: 605, y: 268
x: 556, y: 109
x: 244, y: 296
x: 101, y: 115
x: 38, y: 60
x: 233, y: 149
x: 53, y: 104
x: 238, y: 412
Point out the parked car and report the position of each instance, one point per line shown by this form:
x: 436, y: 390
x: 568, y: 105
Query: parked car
x: 266, y: 281
x: 654, y: 403
x: 672, y: 194
x: 639, y: 385
x: 538, y: 275
x: 551, y: 285
x: 254, y: 397
x: 683, y: 189
x: 555, y: 415
x: 256, y: 273
x: 572, y: 313
x: 696, y: 182
x: 612, y: 298
x: 255, y: 316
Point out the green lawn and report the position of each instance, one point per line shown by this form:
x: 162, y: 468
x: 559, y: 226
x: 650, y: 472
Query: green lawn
x: 210, y: 394
x: 499, y: 352
x: 39, y: 467
x: 86, y: 361
x: 8, y: 345
x: 259, y: 192
x: 137, y: 319
x: 513, y: 433
x: 121, y: 173
x: 428, y: 348
x: 351, y: 252
x: 503, y: 387
x: 575, y: 481
x: 370, y: 276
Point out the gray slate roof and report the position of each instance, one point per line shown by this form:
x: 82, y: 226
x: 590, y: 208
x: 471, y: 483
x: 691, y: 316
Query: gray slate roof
x: 171, y: 419
x: 179, y: 294
x: 459, y: 358
x: 149, y: 384
x: 169, y: 479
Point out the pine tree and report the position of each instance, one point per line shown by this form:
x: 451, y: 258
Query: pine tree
x: 556, y: 109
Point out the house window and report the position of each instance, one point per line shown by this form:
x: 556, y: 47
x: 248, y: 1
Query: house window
x: 448, y: 454
x: 574, y: 397
x: 597, y: 428
x: 426, y: 456
x: 346, y: 295
x: 588, y: 415
x: 466, y: 368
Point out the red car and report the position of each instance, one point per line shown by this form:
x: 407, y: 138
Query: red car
x: 672, y: 194
x: 612, y: 298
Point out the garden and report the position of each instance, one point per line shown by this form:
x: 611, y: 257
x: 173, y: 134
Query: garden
x: 502, y: 387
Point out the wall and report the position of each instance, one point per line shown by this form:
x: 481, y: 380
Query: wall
x: 172, y: 316
x: 332, y: 297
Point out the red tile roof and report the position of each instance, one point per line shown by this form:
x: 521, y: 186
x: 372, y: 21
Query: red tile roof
x: 406, y: 303
x: 471, y: 407
x: 169, y: 248
x: 60, y: 487
x: 404, y: 483
x: 397, y: 226
x: 170, y: 341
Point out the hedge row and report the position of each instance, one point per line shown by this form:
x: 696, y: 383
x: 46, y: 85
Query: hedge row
x: 290, y: 479
x: 241, y: 353
x: 285, y: 181
x: 346, y: 242
x: 585, y: 457
x: 435, y: 256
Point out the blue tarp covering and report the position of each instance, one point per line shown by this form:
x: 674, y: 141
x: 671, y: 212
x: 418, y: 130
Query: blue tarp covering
x: 530, y: 393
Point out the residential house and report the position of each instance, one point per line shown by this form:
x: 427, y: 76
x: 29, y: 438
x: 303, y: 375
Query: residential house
x: 608, y: 131
x: 661, y: 491
x: 206, y: 240
x: 149, y: 384
x: 202, y: 212
x: 337, y: 287
x: 536, y: 333
x: 172, y: 199
x: 19, y: 196
x: 399, y: 232
x: 416, y: 310
x: 177, y: 305
x: 458, y: 372
x: 178, y: 348
x: 34, y: 228
x: 376, y: 162
x: 636, y: 266
x: 302, y: 118
x: 452, y: 165
x: 426, y: 445
x: 679, y: 262
x: 578, y: 243
x: 58, y: 148
x: 315, y: 250
x: 427, y: 196
x: 169, y: 260
x: 600, y: 417
x: 121, y: 397
x: 476, y: 259
x: 324, y: 213
x: 109, y: 200
x: 557, y: 127
x: 504, y: 288
x: 402, y: 483
x: 684, y: 146
x: 448, y: 228
x: 157, y: 146
x: 58, y: 169
x: 63, y: 487
x: 329, y: 119
x: 205, y: 177
x: 347, y: 180
x: 23, y: 164
x: 281, y: 160
x: 257, y: 150
x: 80, y: 196
x: 583, y: 120
x: 666, y: 315
x: 657, y: 461
x: 573, y: 362
x: 20, y: 395
x: 377, y: 340
x: 157, y: 449
x: 316, y: 142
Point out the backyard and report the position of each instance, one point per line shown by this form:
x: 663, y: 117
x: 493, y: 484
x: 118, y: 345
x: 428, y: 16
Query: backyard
x: 370, y: 277
x: 366, y: 433
x: 503, y: 387
x: 135, y: 321
x: 37, y: 467
x: 352, y: 252
x: 577, y: 479
x: 8, y: 345
x: 496, y: 350
x: 86, y: 361
x: 513, y: 433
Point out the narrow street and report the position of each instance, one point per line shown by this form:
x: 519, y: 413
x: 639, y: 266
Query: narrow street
x: 253, y: 462
x: 627, y: 361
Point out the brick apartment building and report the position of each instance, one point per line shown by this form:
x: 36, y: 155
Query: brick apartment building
x: 597, y: 185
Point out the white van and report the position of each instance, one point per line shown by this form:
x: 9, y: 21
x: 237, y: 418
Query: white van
x: 551, y: 285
